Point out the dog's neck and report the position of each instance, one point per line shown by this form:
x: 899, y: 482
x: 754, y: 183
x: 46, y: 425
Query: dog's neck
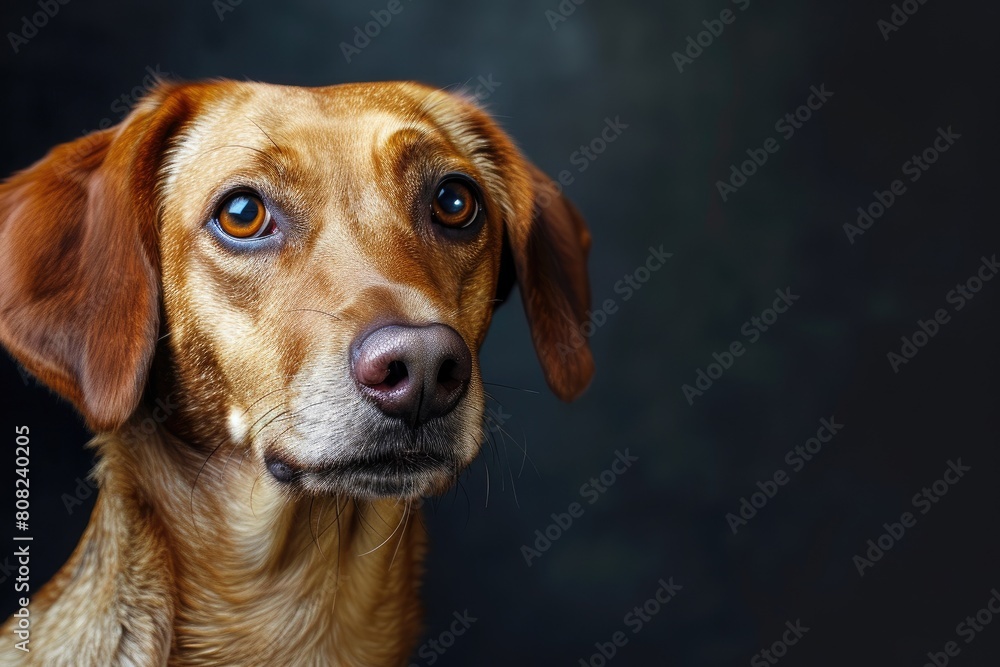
x: 231, y: 569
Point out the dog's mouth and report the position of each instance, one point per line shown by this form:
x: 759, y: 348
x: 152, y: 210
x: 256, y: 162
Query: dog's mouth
x: 387, y: 465
x: 409, y: 474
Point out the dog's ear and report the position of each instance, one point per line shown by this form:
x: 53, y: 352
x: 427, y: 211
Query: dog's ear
x: 79, y: 267
x: 548, y: 242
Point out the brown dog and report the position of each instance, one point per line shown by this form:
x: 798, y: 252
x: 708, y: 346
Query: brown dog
x: 292, y: 284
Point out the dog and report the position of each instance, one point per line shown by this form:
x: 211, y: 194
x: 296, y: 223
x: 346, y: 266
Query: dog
x: 267, y: 303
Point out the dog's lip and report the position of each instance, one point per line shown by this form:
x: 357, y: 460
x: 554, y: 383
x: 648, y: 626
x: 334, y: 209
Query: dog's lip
x: 405, y: 463
x: 406, y: 474
x: 412, y: 461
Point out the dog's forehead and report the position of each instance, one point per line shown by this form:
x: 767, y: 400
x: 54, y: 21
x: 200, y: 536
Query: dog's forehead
x: 315, y: 130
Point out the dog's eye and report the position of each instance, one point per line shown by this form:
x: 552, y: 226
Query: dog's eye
x: 244, y: 216
x: 456, y: 203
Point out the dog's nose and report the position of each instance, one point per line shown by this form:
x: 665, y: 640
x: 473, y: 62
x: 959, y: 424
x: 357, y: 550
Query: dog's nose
x: 414, y: 373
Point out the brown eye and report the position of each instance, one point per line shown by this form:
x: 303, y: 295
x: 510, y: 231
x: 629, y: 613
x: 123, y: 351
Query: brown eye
x: 455, y: 203
x: 244, y: 216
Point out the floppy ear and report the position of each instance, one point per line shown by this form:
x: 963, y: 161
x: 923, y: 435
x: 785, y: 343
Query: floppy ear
x: 548, y: 241
x: 79, y: 269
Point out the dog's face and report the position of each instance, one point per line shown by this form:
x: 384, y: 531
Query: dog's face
x: 321, y: 265
x: 301, y: 228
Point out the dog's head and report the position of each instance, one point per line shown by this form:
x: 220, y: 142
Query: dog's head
x: 313, y: 271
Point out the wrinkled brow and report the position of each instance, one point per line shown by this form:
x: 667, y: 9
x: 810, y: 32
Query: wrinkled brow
x: 411, y: 146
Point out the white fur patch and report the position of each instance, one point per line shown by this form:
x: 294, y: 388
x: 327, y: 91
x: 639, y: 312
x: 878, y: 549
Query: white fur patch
x: 237, y: 423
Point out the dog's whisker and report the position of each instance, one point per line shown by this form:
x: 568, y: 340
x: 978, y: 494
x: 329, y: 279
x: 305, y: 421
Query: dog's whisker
x: 510, y: 471
x: 312, y: 310
x: 272, y: 441
x: 491, y: 439
x: 336, y: 591
x: 459, y: 486
x: 402, y: 522
x: 487, y: 442
x: 264, y: 154
x: 362, y: 519
x: 293, y: 414
x: 506, y: 386
x: 386, y: 540
x: 232, y: 450
x: 252, y: 487
x: 255, y: 124
x: 487, y: 468
x: 319, y: 516
x: 261, y: 398
x: 312, y: 531
x: 322, y: 530
x: 378, y: 514
x: 194, y: 485
x: 281, y: 413
x: 524, y: 450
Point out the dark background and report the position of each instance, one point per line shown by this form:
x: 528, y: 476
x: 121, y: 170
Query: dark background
x: 656, y: 184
